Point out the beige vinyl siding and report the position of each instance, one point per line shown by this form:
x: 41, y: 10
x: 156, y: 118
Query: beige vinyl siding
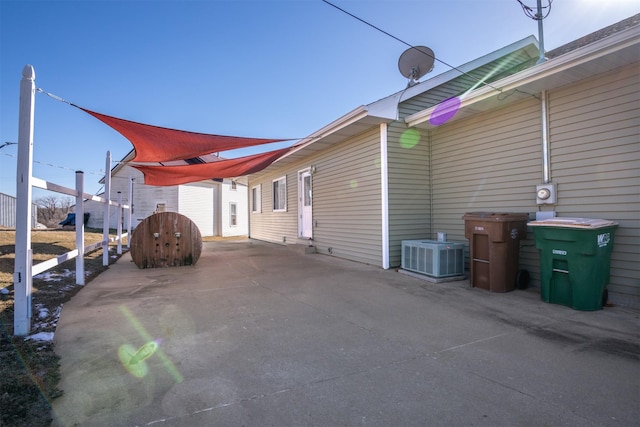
x: 278, y: 227
x: 346, y: 201
x: 595, y: 161
x: 408, y: 184
x: 489, y: 162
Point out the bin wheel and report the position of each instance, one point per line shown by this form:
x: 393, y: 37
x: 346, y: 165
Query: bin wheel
x: 522, y: 279
x: 605, y: 297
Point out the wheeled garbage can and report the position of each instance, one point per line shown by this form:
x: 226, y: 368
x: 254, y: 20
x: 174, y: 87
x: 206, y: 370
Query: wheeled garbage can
x: 494, y: 248
x: 575, y: 259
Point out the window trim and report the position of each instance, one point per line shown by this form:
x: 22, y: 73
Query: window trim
x: 256, y: 202
x: 233, y: 214
x: 273, y: 195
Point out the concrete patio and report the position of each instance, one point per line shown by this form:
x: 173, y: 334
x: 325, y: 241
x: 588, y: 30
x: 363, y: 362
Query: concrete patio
x: 259, y: 335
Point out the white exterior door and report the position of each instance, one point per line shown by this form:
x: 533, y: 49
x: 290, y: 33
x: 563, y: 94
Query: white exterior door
x: 305, y: 222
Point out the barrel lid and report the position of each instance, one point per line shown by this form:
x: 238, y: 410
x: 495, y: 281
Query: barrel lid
x: 573, y: 222
x: 496, y: 216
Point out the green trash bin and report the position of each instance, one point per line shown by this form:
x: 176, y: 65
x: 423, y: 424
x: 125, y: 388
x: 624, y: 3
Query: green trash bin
x: 575, y: 258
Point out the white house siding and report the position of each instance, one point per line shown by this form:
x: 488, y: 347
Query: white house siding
x: 489, y: 162
x: 145, y: 198
x: 239, y: 196
x: 346, y: 201
x: 195, y: 201
x: 595, y: 161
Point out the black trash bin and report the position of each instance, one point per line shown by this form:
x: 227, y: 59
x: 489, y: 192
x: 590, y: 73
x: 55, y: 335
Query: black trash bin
x: 575, y: 259
x: 494, y: 248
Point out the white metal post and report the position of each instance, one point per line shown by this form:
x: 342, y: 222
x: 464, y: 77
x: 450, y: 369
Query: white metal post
x: 80, y: 228
x: 119, y: 232
x: 384, y: 179
x: 105, y: 224
x: 22, y: 280
x: 129, y: 212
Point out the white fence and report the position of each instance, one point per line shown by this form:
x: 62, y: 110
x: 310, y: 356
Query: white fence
x: 24, y: 268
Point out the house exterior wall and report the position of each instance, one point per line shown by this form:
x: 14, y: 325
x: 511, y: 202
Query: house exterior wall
x: 595, y: 162
x: 489, y: 162
x: 196, y: 201
x: 493, y: 161
x: 239, y: 196
x: 205, y: 203
x: 346, y: 201
x: 145, y: 198
x: 408, y: 187
x: 281, y: 226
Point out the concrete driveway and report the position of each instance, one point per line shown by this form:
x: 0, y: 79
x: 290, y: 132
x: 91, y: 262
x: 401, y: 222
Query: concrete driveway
x: 258, y: 335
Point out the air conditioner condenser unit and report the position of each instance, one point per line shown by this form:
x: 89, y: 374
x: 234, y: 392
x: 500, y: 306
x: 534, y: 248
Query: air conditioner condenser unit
x: 433, y: 258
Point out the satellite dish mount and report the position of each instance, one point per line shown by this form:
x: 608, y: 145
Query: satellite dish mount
x: 415, y: 62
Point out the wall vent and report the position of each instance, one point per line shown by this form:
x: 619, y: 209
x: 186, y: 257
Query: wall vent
x: 433, y: 258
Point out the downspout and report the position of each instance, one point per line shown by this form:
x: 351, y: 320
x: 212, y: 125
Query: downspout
x: 546, y: 160
x: 384, y: 184
x: 430, y: 178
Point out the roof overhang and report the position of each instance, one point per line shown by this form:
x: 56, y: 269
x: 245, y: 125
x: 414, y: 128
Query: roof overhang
x: 610, y: 53
x: 351, y: 124
x: 385, y: 110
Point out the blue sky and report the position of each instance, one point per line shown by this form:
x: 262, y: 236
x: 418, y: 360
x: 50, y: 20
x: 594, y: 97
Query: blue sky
x: 268, y: 68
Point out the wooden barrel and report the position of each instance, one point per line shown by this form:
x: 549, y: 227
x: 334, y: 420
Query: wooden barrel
x: 165, y: 239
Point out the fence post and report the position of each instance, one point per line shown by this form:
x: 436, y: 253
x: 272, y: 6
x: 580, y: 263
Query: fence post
x: 80, y: 228
x: 105, y: 223
x: 22, y: 280
x: 119, y: 252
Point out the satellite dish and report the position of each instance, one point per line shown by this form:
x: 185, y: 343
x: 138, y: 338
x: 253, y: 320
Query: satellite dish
x: 415, y: 62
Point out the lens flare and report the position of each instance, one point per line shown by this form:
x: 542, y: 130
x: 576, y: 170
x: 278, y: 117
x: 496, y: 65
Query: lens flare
x: 445, y: 111
x: 133, y: 360
x: 410, y: 138
x: 127, y: 353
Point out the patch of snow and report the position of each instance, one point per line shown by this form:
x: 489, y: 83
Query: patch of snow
x: 52, y: 276
x: 41, y: 336
x: 43, y: 312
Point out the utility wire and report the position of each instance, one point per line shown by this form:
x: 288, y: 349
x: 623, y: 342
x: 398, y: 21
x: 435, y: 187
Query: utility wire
x: 534, y: 15
x: 57, y: 166
x: 408, y: 44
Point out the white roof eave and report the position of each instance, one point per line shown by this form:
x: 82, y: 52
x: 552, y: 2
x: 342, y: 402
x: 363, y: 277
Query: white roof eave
x: 538, y: 76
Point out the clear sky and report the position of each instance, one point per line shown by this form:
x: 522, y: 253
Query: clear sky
x: 267, y: 68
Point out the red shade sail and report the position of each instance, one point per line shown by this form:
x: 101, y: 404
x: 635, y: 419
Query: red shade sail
x: 158, y: 144
x: 175, y: 175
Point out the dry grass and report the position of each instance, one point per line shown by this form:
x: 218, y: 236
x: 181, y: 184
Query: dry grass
x: 29, y: 369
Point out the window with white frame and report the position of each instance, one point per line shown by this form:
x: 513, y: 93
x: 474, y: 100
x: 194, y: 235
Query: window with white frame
x: 256, y: 199
x: 233, y: 214
x: 234, y: 185
x: 280, y: 194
